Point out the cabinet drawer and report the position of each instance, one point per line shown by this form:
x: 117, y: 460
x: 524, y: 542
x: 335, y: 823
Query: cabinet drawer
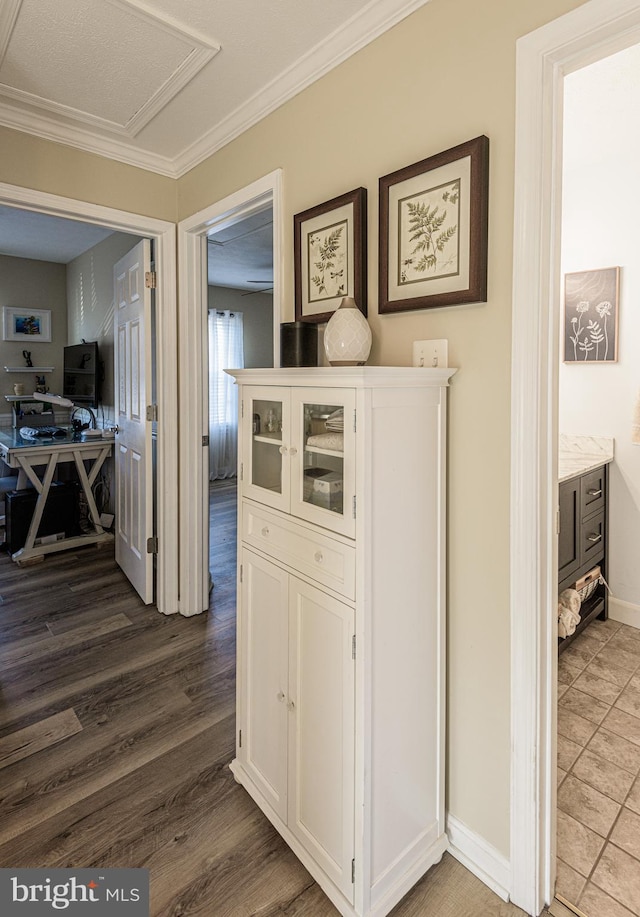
x: 592, y: 492
x: 315, y: 555
x: 592, y: 539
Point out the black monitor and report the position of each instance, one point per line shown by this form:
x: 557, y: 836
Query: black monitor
x: 81, y: 381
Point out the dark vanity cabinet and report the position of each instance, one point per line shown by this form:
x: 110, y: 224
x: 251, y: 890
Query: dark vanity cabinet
x: 582, y: 541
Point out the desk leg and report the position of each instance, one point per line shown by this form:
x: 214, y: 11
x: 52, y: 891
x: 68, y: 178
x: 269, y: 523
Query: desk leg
x: 43, y: 493
x: 87, y: 481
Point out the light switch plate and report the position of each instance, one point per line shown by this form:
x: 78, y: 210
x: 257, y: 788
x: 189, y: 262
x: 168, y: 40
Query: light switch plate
x: 431, y: 353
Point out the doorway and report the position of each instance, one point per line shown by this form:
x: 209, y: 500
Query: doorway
x: 240, y: 333
x: 544, y: 57
x: 193, y: 234
x: 163, y: 235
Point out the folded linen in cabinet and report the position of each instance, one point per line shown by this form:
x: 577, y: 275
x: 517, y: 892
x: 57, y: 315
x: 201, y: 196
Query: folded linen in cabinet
x: 333, y: 441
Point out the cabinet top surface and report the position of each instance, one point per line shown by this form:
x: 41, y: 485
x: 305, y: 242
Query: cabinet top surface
x: 345, y: 376
x: 579, y: 454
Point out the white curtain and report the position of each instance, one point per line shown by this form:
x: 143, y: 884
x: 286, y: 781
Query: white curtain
x: 225, y: 352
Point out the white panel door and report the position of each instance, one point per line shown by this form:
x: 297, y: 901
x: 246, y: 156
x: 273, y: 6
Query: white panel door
x: 321, y: 730
x: 134, y: 484
x: 263, y: 712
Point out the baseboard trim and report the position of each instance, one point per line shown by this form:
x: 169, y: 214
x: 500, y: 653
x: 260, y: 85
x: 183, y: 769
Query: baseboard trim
x: 624, y: 612
x: 479, y: 857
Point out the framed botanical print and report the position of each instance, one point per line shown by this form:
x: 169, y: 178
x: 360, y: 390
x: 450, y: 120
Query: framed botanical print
x: 434, y: 230
x: 330, y: 249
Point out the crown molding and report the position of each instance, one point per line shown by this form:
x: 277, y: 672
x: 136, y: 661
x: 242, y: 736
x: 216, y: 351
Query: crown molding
x: 51, y: 129
x: 379, y: 16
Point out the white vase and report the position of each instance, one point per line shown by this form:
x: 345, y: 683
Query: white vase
x: 347, y: 337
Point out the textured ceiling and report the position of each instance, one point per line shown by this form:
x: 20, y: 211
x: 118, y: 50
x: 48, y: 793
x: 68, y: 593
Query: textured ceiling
x: 164, y: 83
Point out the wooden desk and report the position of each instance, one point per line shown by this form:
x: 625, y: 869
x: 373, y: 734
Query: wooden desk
x: 36, y: 462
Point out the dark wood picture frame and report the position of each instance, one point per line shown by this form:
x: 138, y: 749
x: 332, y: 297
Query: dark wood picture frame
x: 452, y: 202
x: 348, y: 211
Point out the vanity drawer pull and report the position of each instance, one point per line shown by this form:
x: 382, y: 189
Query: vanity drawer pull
x: 593, y: 538
x: 318, y: 557
x: 265, y: 531
x: 594, y: 493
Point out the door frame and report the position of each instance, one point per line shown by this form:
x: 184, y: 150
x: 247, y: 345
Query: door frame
x: 193, y: 375
x: 594, y: 30
x: 163, y: 233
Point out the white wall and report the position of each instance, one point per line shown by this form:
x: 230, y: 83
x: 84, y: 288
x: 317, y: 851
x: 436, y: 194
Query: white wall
x: 257, y: 323
x: 601, y: 202
x: 90, y: 305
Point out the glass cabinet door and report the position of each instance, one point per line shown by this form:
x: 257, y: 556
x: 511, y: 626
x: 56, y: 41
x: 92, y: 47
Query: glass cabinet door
x: 265, y: 466
x: 323, y: 458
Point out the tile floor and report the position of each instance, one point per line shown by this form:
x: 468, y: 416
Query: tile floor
x: 599, y: 771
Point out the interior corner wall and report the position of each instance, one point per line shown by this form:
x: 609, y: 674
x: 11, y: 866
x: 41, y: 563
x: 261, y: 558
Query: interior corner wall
x: 31, y: 284
x: 91, y: 305
x: 601, y: 200
x: 257, y: 324
x: 444, y: 75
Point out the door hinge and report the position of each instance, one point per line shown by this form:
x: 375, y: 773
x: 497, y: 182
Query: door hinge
x: 150, y: 280
x: 240, y: 738
x: 242, y: 409
x: 152, y: 545
x: 353, y: 870
x: 241, y: 471
x: 241, y: 572
x: 205, y: 440
x: 354, y: 506
x: 354, y: 422
x: 353, y: 647
x: 152, y: 412
x: 558, y: 521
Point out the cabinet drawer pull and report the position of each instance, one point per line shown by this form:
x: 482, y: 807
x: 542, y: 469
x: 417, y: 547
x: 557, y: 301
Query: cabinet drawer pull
x: 594, y: 538
x: 265, y: 531
x: 594, y: 493
x: 318, y: 557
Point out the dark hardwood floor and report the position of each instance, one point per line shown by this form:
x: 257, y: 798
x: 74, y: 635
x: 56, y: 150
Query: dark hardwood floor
x: 117, y: 727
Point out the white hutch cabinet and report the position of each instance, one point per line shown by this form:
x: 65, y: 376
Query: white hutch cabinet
x: 341, y: 621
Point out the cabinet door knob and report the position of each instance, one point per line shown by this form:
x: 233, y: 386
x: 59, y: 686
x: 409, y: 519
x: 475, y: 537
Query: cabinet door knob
x: 594, y: 493
x: 265, y: 531
x: 318, y: 557
x: 280, y: 696
x: 293, y: 451
x: 282, y: 450
x: 594, y: 538
x: 291, y: 705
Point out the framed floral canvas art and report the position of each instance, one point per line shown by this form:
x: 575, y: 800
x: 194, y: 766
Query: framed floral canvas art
x: 591, y: 316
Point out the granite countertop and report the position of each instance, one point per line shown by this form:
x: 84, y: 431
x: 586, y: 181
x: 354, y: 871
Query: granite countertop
x: 578, y: 454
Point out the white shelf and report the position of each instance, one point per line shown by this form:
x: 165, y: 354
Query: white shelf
x: 319, y: 451
x: 29, y: 369
x: 274, y: 439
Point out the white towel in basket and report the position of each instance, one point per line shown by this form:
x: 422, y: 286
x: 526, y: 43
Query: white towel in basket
x: 568, y: 612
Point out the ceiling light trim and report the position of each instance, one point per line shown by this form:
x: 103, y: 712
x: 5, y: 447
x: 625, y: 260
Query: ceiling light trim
x: 330, y: 53
x: 9, y: 11
x: 197, y: 51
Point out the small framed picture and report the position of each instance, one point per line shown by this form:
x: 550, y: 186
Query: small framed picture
x: 29, y: 325
x: 434, y: 230
x: 591, y: 316
x: 330, y: 256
